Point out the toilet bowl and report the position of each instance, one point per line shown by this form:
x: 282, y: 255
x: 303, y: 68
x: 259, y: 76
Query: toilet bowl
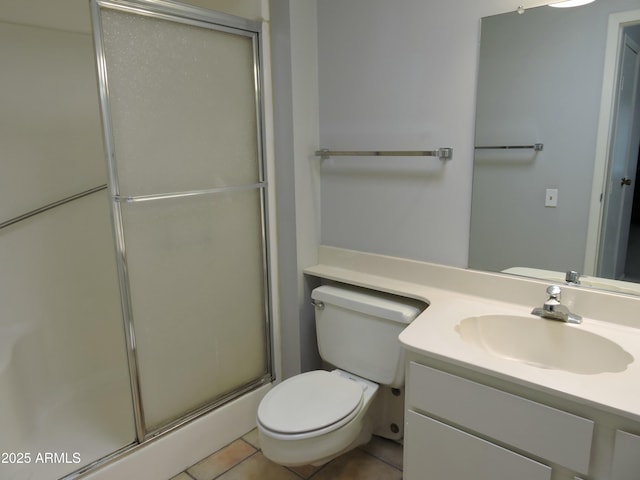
x: 314, y: 417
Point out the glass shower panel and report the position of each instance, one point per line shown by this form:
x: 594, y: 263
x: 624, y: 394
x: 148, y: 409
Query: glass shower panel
x: 64, y: 379
x: 197, y: 290
x: 183, y: 105
x: 49, y: 116
x: 64, y: 383
x: 184, y: 126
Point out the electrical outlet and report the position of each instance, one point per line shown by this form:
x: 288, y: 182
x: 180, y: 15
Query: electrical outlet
x: 551, y: 198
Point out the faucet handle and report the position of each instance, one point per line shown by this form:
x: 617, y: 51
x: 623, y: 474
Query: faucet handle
x: 554, y: 292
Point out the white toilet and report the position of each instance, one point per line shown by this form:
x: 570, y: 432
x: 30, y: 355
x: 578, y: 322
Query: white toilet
x: 316, y: 416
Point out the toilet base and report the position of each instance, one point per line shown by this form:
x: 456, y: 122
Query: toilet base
x: 316, y: 451
x: 362, y: 439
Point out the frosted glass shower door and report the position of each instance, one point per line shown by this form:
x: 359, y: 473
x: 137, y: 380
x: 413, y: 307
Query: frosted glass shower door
x: 182, y: 110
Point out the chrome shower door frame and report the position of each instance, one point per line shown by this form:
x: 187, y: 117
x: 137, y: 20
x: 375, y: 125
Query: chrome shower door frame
x: 199, y: 17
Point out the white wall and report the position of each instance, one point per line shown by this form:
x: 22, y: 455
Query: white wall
x: 399, y: 75
x: 295, y: 93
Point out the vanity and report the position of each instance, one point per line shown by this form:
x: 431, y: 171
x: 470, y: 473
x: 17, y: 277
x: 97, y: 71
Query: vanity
x: 493, y: 392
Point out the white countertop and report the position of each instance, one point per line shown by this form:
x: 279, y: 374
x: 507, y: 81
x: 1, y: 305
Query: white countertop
x: 454, y: 294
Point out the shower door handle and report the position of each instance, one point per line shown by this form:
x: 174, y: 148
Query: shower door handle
x: 625, y: 181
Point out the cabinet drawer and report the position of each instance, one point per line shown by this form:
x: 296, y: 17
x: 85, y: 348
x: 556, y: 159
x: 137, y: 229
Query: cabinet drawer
x: 626, y: 459
x: 439, y: 451
x: 552, y: 434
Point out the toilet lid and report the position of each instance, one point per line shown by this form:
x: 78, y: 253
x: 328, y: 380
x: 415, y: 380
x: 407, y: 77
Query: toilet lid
x: 308, y: 402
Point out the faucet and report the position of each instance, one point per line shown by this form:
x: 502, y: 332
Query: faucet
x: 554, y: 310
x: 572, y: 278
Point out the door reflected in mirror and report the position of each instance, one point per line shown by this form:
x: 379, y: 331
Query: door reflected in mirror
x: 551, y: 77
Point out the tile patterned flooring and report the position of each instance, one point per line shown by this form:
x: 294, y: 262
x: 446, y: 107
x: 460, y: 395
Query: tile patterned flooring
x: 242, y: 459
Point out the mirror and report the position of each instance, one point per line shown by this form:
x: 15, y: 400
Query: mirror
x: 540, y: 81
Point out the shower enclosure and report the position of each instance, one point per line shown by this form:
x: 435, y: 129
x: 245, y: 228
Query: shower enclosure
x: 134, y: 297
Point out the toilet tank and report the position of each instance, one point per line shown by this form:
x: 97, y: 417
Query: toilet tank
x: 358, y: 331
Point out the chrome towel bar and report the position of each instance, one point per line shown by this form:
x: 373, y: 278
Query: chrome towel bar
x: 49, y: 206
x: 536, y: 146
x: 441, y: 153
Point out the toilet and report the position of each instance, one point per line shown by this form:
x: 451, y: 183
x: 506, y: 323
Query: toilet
x: 315, y: 416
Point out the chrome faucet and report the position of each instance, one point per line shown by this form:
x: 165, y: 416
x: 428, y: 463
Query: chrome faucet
x: 572, y: 278
x: 554, y: 310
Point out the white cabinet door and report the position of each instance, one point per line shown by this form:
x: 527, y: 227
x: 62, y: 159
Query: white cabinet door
x: 438, y: 451
x: 626, y: 457
x: 529, y: 426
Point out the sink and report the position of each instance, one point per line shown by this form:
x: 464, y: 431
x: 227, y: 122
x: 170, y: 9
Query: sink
x: 544, y: 343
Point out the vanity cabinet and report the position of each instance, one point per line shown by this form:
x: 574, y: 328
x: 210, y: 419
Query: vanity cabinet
x: 458, y: 428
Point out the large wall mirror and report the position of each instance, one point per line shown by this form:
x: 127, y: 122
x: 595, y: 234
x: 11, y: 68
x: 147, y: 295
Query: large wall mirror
x: 557, y: 137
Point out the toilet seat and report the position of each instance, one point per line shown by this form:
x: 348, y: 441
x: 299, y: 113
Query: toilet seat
x: 311, y: 403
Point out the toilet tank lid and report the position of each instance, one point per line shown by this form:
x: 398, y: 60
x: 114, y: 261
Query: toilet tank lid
x: 378, y: 304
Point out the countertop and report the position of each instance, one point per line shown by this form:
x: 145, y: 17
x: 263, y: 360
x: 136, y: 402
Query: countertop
x: 453, y: 294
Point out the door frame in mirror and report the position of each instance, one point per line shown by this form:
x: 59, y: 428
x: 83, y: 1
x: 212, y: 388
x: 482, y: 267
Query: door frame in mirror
x: 617, y: 23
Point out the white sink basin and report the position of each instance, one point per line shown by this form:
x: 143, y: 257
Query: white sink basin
x: 544, y: 343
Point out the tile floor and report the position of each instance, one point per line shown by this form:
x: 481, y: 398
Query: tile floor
x: 380, y: 459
